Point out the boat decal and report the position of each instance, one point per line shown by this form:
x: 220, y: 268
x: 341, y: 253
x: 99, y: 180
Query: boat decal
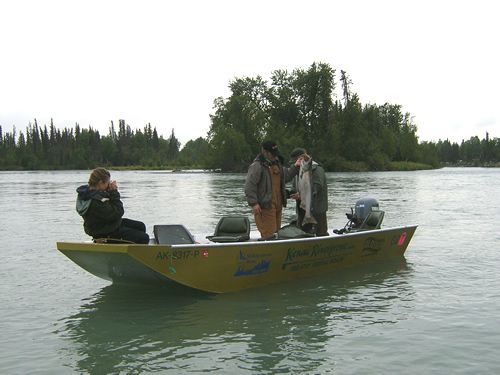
x: 317, y: 256
x: 373, y: 245
x: 162, y: 255
x: 250, y: 263
x: 181, y: 254
x: 257, y: 269
x: 402, y: 239
x: 248, y: 256
x: 399, y: 240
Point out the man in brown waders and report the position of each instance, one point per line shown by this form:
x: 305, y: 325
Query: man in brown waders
x: 265, y: 187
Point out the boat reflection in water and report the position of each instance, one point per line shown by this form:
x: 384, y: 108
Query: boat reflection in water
x: 297, y: 326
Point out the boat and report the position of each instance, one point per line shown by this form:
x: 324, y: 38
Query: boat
x: 230, y: 263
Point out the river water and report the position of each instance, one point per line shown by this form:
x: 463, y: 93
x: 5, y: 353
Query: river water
x: 435, y: 312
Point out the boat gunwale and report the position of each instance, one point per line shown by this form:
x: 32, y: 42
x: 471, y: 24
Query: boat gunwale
x: 254, y: 242
x: 94, y: 247
x: 123, y: 248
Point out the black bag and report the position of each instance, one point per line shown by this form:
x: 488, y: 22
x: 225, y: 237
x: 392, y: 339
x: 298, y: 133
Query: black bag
x: 291, y: 231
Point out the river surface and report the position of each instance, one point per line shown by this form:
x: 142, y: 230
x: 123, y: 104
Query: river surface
x: 436, y: 312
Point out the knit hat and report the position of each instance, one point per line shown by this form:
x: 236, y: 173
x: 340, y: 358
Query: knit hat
x: 271, y: 146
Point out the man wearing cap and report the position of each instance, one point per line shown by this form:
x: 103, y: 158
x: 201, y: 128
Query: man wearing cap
x: 265, y: 188
x: 319, y: 199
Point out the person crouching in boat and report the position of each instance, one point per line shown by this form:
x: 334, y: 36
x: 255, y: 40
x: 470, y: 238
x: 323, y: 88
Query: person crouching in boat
x: 265, y: 188
x: 101, y: 208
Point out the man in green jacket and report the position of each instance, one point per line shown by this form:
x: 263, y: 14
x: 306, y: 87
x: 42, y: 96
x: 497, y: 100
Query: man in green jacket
x: 265, y: 188
x: 319, y: 199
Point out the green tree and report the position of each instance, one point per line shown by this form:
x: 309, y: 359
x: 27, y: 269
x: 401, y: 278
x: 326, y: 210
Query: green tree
x: 314, y: 91
x: 241, y: 118
x: 428, y: 154
x: 173, y: 147
x: 194, y: 153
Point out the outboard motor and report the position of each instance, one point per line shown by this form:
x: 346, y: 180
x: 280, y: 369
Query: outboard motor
x: 358, y: 216
x: 364, y: 207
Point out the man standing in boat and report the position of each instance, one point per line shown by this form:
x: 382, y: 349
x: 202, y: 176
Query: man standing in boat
x: 265, y: 187
x: 318, y: 200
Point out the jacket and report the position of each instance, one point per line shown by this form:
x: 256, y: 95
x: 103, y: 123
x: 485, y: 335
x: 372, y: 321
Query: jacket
x: 258, y: 185
x: 101, y: 210
x: 319, y: 201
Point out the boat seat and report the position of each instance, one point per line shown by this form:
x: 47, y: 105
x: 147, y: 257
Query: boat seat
x: 168, y: 234
x: 231, y: 229
x: 372, y: 221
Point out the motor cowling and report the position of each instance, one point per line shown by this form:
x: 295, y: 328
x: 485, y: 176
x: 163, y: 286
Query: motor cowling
x: 358, y: 215
x: 364, y: 207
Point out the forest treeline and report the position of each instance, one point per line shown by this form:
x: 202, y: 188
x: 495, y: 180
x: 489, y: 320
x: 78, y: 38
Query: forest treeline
x: 298, y: 108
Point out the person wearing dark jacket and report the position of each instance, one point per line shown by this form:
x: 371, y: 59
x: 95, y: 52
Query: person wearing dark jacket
x: 265, y: 188
x: 319, y: 196
x: 102, y: 210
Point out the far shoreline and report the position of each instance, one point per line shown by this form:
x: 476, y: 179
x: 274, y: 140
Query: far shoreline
x: 348, y: 167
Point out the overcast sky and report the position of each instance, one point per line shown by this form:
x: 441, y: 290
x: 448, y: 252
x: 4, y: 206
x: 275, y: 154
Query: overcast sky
x: 164, y: 62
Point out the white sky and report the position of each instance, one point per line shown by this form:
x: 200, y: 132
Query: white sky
x: 164, y: 62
